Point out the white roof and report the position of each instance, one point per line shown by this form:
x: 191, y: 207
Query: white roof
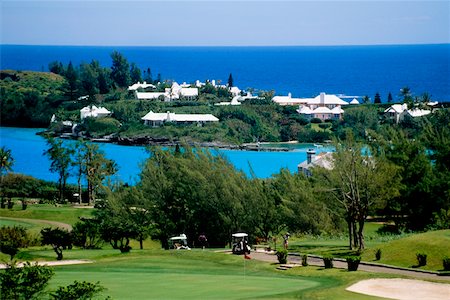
x: 397, y: 108
x: 418, y: 112
x: 148, y: 95
x: 189, y: 92
x: 140, y: 85
x: 168, y: 116
x: 322, y: 110
x: 328, y: 100
x: 93, y: 111
x: 354, y: 101
x: 324, y: 160
x: 288, y: 100
x: 305, y: 110
x: 337, y: 110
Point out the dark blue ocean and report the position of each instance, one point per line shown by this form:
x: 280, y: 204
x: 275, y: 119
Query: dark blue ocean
x: 27, y: 149
x: 304, y: 71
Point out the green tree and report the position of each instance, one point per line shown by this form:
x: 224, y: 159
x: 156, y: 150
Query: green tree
x: 366, y: 99
x: 58, y: 238
x: 60, y: 157
x: 120, y: 70
x: 360, y: 183
x: 71, y: 76
x: 377, y: 98
x: 193, y: 192
x: 135, y: 73
x: 88, y: 80
x: 13, y: 238
x: 389, y: 98
x: 230, y: 80
x: 56, y: 67
x: 148, y: 76
x: 86, y: 233
x: 97, y: 168
x: 6, y: 160
x: 27, y: 282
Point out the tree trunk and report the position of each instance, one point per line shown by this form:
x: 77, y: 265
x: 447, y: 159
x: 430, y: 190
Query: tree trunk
x: 141, y: 244
x: 361, y: 235
x: 350, y: 234
x: 355, y: 235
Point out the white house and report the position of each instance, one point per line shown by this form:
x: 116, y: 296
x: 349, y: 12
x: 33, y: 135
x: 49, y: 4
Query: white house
x: 288, y: 100
x: 324, y: 160
x: 149, y: 95
x: 157, y: 119
x: 94, y: 112
x: 139, y: 85
x: 324, y: 107
x: 398, y: 112
x: 235, y: 91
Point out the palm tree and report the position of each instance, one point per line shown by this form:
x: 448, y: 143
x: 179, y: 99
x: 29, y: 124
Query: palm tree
x: 6, y: 160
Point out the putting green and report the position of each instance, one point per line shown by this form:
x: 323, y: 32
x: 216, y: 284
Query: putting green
x: 148, y: 285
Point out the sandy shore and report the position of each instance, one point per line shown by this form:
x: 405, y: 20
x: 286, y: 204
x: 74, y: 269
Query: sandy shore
x: 403, y: 289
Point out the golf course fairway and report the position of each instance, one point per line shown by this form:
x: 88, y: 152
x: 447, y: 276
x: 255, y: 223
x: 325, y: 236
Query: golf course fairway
x: 184, y: 276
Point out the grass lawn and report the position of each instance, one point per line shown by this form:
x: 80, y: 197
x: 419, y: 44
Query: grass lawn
x: 65, y: 214
x: 402, y: 252
x: 158, y: 274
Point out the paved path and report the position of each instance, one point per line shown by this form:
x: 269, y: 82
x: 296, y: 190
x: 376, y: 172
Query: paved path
x: 313, y: 261
x: 52, y: 223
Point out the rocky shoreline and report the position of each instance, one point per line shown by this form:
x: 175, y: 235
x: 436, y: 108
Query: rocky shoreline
x: 166, y: 142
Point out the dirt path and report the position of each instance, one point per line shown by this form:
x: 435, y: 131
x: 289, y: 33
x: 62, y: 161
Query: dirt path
x: 52, y: 223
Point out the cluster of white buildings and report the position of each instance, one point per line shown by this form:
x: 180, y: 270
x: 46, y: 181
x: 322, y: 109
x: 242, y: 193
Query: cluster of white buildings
x: 94, y: 112
x: 145, y: 91
x: 323, y: 106
x: 175, y: 92
x: 158, y: 119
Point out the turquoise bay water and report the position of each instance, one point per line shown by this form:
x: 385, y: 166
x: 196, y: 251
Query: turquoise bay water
x: 28, y: 148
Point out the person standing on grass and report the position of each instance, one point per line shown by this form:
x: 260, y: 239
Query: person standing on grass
x: 286, y: 240
x: 202, y: 239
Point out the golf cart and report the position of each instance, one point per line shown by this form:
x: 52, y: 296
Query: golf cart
x: 179, y: 242
x: 240, y: 243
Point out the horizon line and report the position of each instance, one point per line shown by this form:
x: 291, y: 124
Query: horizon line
x: 229, y: 46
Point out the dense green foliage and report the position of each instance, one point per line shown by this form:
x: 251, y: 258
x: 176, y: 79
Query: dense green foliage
x: 77, y: 290
x: 58, y: 238
x: 13, y: 238
x: 27, y: 282
x: 28, y: 99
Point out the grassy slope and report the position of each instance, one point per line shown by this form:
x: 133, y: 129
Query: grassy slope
x: 64, y: 214
x: 402, y: 252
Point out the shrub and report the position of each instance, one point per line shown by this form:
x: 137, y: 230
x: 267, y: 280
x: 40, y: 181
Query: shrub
x: 316, y: 120
x: 324, y: 125
x: 378, y: 254
x: 446, y: 263
x: 304, y: 260
x: 282, y: 256
x: 328, y: 261
x: 11, y: 239
x: 78, y: 290
x: 353, y: 262
x: 421, y: 259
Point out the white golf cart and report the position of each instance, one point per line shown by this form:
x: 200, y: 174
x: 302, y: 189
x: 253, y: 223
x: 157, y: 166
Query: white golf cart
x: 179, y: 242
x: 240, y: 243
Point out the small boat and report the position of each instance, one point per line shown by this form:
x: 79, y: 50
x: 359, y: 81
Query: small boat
x: 317, y: 145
